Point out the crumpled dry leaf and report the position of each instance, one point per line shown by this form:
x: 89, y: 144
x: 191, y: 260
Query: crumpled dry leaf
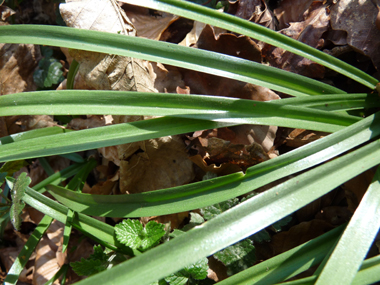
x: 92, y: 121
x: 208, y: 84
x: 298, y: 235
x: 220, y: 170
x: 149, y: 24
x: 176, y: 220
x: 17, y: 64
x: 16, y: 124
x: 48, y: 258
x: 166, y: 78
x: 37, y: 172
x: 291, y: 11
x: 300, y: 137
x: 101, y: 71
x: 5, y: 12
x: 356, y: 187
x: 309, y: 31
x: 309, y: 211
x: 161, y: 163
x: 109, y: 72
x: 103, y: 187
x: 223, y: 147
x: 335, y: 215
x: 255, y: 11
x: 8, y: 256
x: 358, y: 19
x: 227, y: 43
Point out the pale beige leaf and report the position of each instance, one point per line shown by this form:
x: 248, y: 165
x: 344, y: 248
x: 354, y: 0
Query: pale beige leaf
x: 97, y: 15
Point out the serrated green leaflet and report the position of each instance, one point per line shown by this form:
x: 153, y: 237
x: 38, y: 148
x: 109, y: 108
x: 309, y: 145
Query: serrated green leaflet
x: 167, y: 53
x: 18, y: 191
x: 133, y: 234
x: 237, y: 257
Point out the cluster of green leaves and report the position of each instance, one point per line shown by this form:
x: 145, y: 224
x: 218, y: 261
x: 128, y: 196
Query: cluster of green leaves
x: 133, y: 234
x: 318, y: 106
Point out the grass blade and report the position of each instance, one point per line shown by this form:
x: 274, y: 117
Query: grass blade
x: 287, y: 264
x: 167, y: 53
x: 241, y: 221
x: 27, y: 250
x: 352, y: 248
x: 238, y: 25
x: 213, y: 108
x: 209, y: 192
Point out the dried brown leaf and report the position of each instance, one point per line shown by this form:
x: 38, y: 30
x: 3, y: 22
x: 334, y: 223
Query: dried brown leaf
x: 309, y: 31
x: 161, y: 163
x: 300, y: 137
x: 17, y: 64
x: 255, y: 11
x: 298, y: 235
x: 356, y: 187
x: 149, y: 24
x: 291, y: 11
x: 358, y: 19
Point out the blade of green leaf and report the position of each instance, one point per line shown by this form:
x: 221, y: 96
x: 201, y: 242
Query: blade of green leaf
x: 142, y: 130
x: 241, y: 26
x: 343, y: 264
x: 205, y: 193
x: 334, y: 102
x: 58, y: 177
x: 214, y: 108
x: 67, y: 229
x: 369, y: 274
x: 74, y: 67
x: 287, y: 264
x: 78, y: 181
x: 97, y: 230
x: 32, y: 134
x: 167, y: 53
x: 103, y: 136
x: 242, y: 220
x: 27, y: 250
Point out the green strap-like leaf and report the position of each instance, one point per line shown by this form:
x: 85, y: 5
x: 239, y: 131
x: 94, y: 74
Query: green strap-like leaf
x: 213, y: 108
x: 205, y: 193
x: 241, y: 221
x: 356, y: 240
x: 27, y: 250
x: 287, y: 264
x: 256, y: 31
x: 167, y: 53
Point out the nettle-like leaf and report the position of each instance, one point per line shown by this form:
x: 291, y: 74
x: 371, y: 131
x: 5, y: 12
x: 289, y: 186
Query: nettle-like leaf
x: 17, y: 193
x: 216, y: 209
x: 197, y: 271
x: 133, y: 234
x: 237, y: 257
x: 277, y: 226
x: 97, y: 262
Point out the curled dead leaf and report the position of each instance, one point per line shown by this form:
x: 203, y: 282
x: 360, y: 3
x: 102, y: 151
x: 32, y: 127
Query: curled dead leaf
x: 162, y: 164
